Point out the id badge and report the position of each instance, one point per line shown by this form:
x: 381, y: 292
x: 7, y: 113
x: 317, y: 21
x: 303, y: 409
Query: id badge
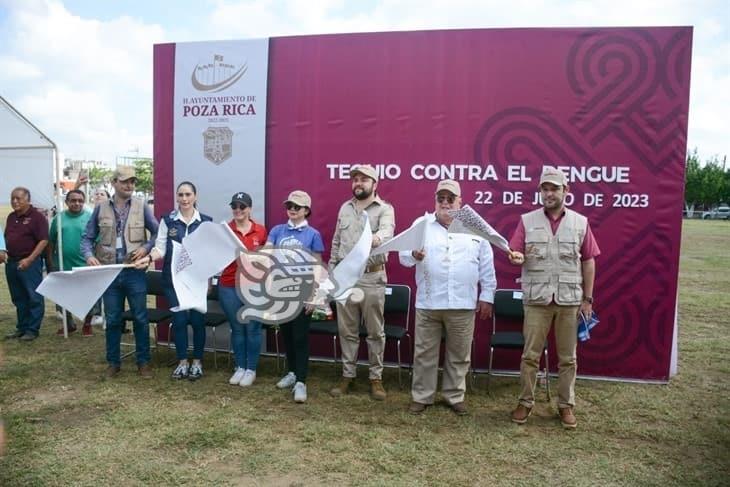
x: 119, y: 242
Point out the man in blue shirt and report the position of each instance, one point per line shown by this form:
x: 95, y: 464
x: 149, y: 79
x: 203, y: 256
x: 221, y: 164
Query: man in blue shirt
x: 116, y: 234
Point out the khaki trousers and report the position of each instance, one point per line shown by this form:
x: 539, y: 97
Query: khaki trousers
x: 369, y: 312
x: 538, y: 320
x: 458, y: 324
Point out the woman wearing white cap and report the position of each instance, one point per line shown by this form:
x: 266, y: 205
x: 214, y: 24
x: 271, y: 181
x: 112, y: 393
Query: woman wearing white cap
x: 297, y: 234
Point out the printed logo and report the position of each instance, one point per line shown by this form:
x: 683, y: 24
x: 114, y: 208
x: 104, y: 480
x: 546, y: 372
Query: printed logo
x: 216, y: 76
x: 217, y: 144
x: 276, y: 284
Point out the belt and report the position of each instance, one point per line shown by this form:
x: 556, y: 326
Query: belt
x: 374, y: 268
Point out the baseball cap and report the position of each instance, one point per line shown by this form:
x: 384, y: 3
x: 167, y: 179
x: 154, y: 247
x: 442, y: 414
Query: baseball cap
x: 124, y: 173
x: 554, y: 176
x: 300, y: 198
x: 365, y: 170
x: 449, y: 185
x: 242, y: 197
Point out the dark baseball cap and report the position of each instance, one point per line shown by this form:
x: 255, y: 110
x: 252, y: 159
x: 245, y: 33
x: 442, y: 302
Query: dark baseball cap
x: 242, y: 197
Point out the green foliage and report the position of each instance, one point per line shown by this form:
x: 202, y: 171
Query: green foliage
x: 145, y: 175
x: 99, y: 176
x: 707, y: 184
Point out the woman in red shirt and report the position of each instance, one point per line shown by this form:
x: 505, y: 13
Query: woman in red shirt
x: 245, y: 337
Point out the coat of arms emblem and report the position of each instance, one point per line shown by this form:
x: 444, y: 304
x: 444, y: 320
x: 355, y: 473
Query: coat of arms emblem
x: 217, y: 144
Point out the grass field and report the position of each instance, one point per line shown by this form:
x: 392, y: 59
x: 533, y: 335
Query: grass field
x: 68, y: 426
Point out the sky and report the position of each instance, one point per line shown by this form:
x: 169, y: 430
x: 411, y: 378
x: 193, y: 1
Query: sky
x: 81, y: 70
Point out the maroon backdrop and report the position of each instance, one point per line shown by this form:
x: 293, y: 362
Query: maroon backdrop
x: 489, y: 100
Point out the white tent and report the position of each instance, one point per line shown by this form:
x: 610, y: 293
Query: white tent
x: 26, y: 158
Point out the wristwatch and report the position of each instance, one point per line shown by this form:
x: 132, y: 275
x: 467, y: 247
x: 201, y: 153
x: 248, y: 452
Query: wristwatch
x: 588, y: 299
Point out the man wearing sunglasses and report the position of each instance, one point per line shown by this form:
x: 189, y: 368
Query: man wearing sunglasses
x: 364, y: 182
x: 449, y: 270
x: 120, y: 231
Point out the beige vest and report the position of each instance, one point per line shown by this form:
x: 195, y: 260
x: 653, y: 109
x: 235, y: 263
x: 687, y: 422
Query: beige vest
x: 552, y: 268
x: 134, y: 233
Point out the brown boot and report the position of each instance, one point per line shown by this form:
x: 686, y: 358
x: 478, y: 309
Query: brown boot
x: 417, y: 407
x: 459, y: 408
x: 520, y: 414
x: 567, y: 418
x: 377, y: 391
x: 145, y: 371
x: 112, y: 371
x: 343, y: 387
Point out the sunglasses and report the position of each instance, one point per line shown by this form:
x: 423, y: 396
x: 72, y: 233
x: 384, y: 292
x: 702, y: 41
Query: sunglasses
x: 449, y: 198
x: 292, y: 206
x: 238, y: 206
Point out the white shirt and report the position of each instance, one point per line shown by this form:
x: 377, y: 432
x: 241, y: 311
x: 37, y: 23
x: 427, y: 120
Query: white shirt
x: 454, y: 264
x: 161, y: 240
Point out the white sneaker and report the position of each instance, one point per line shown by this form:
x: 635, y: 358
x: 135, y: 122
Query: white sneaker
x: 97, y: 320
x: 300, y: 392
x: 248, y: 377
x: 237, y: 376
x: 287, y: 381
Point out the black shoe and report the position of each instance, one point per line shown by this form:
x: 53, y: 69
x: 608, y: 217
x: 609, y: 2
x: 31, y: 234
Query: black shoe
x: 28, y: 337
x: 14, y: 334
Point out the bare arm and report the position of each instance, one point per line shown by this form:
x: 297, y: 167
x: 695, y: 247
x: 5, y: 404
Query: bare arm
x: 588, y: 269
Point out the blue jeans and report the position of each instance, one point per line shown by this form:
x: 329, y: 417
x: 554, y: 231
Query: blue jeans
x: 180, y: 320
x: 29, y: 305
x: 245, y: 338
x: 130, y: 284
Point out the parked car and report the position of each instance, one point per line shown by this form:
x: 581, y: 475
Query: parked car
x: 722, y: 212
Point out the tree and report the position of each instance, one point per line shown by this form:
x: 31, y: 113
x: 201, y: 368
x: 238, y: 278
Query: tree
x: 692, y: 185
x: 707, y: 184
x: 145, y: 175
x: 99, y: 176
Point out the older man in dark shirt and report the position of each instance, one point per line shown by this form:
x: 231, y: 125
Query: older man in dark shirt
x: 26, y: 237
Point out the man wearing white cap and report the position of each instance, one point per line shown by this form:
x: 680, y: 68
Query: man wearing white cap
x: 449, y: 270
x: 556, y: 249
x: 369, y: 311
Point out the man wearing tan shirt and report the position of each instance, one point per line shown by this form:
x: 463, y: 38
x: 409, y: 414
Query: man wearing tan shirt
x: 369, y: 311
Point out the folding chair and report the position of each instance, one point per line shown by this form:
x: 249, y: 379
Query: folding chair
x: 397, y: 309
x: 275, y: 329
x: 508, y: 307
x: 328, y: 328
x: 155, y: 316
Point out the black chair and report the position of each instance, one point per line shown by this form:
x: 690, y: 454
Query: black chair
x: 155, y: 316
x: 275, y: 328
x: 397, y: 309
x: 508, y: 307
x: 327, y: 328
x: 212, y: 319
